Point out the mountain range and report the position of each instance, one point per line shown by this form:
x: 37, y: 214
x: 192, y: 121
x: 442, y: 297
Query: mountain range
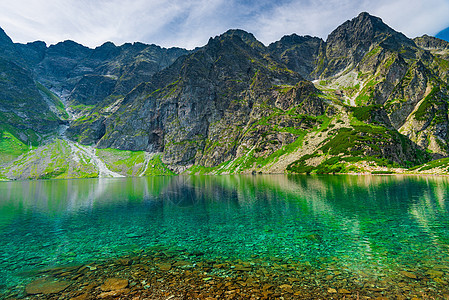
x: 368, y: 99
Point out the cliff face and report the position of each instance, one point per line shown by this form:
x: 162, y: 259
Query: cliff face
x: 211, y: 110
x: 301, y: 54
x: 26, y: 110
x: 235, y: 105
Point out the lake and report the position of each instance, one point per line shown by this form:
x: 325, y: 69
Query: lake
x: 241, y: 236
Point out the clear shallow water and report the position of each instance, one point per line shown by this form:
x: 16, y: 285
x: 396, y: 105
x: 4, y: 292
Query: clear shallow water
x: 371, y: 226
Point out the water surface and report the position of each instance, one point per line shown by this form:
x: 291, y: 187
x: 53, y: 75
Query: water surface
x: 373, y: 227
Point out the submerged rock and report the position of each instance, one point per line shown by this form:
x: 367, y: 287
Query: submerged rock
x: 46, y: 286
x: 164, y: 266
x: 114, y: 284
x: 409, y: 274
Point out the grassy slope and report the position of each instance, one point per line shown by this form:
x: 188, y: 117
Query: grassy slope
x: 56, y: 160
x: 133, y: 163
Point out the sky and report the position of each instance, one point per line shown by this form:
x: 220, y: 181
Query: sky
x: 190, y: 23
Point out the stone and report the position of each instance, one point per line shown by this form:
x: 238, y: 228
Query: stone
x: 164, y: 266
x: 182, y: 263
x: 125, y: 261
x: 242, y: 269
x: 408, y: 274
x: 81, y: 297
x: 133, y: 235
x: 46, y: 286
x: 435, y: 273
x: 439, y: 280
x: 285, y: 286
x: 267, y: 286
x: 114, y: 293
x: 344, y: 291
x: 114, y: 284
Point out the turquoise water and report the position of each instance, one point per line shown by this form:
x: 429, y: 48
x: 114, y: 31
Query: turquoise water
x: 371, y: 226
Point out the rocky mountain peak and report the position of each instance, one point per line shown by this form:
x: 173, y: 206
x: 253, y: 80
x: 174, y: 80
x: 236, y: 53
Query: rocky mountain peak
x: 347, y: 45
x: 105, y: 51
x: 364, y: 29
x: 70, y: 49
x: 299, y: 53
x: 294, y: 39
x: 246, y: 37
x: 431, y: 43
x: 4, y: 38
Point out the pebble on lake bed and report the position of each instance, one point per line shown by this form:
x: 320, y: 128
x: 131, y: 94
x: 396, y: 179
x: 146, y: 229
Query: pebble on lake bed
x: 114, y: 284
x: 155, y: 275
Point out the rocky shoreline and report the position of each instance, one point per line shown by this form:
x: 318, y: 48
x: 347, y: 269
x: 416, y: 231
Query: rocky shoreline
x: 163, y: 273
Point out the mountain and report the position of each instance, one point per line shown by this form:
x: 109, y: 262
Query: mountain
x: 41, y: 86
x: 299, y: 53
x: 378, y: 103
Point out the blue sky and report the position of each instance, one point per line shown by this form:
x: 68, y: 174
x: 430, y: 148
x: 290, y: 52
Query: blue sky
x: 190, y: 23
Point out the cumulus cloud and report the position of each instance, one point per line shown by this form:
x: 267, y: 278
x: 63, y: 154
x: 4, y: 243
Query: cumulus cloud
x: 190, y: 23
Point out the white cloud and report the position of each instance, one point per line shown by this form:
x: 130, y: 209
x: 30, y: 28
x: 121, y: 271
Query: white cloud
x: 190, y: 23
x: 319, y: 18
x: 415, y: 17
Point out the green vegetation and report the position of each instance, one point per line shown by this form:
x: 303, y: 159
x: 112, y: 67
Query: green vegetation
x: 359, y: 143
x: 55, y: 99
x: 373, y: 52
x: 133, y: 163
x: 10, y: 147
x: 155, y: 167
x: 367, y: 93
x: 364, y: 113
x: 439, y: 163
x: 283, y: 88
x: 337, y: 164
x: 82, y: 107
x: 51, y: 161
x: 427, y: 102
x: 26, y: 136
x: 382, y: 172
x: 357, y: 140
x: 129, y: 163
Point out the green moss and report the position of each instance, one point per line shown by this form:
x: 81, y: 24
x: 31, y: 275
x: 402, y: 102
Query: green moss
x: 367, y: 93
x: 10, y: 147
x: 373, y: 52
x: 439, y: 163
x: 336, y: 164
x: 157, y: 168
x: 82, y: 107
x: 389, y: 62
x: 442, y: 63
x: 133, y: 163
x: 355, y: 141
x: 364, y: 113
x: 122, y: 161
x: 382, y: 172
x: 283, y: 88
x: 421, y: 113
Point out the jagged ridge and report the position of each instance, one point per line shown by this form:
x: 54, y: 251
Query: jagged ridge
x: 236, y: 105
